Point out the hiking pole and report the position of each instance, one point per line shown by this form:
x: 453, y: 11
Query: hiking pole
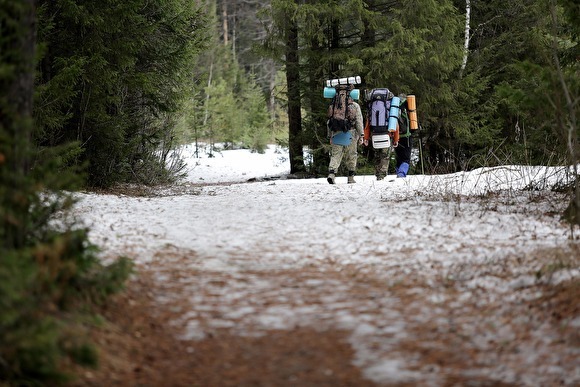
x: 421, y: 151
x: 389, y: 156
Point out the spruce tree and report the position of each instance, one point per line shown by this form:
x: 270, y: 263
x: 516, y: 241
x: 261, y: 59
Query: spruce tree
x: 47, y: 264
x: 231, y: 109
x: 112, y: 74
x: 407, y: 47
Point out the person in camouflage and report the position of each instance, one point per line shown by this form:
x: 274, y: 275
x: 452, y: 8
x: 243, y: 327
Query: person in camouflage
x: 381, y: 156
x: 348, y: 152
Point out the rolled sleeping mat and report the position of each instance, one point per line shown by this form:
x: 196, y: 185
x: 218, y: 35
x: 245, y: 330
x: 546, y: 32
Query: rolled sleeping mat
x: 355, y: 94
x: 329, y: 92
x: 411, y: 102
x: 394, y: 114
x: 344, y: 81
x: 412, y: 105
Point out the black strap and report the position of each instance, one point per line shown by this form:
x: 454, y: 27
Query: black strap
x: 346, y: 107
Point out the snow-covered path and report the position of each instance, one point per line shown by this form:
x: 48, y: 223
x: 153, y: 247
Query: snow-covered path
x: 293, y: 223
x: 408, y: 267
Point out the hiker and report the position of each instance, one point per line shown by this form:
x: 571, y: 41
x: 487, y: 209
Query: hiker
x: 376, y: 129
x: 382, y: 132
x: 403, y: 155
x: 343, y: 150
x: 405, y: 143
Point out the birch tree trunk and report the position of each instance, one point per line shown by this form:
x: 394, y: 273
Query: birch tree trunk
x: 206, y: 112
x: 272, y: 88
x: 466, y: 40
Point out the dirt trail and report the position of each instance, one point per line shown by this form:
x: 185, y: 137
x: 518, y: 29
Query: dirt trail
x: 139, y: 347
x: 478, y: 292
x: 421, y: 341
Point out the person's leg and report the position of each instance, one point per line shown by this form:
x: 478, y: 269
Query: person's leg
x: 403, y: 169
x: 403, y: 152
x: 381, y: 163
x: 351, y: 156
x: 336, y: 153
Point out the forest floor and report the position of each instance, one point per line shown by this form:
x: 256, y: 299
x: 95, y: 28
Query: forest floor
x: 388, y: 322
x: 139, y: 346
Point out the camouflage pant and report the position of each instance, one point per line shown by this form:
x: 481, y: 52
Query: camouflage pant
x: 348, y: 153
x: 382, y: 162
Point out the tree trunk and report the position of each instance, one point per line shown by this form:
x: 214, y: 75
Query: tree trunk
x: 271, y: 88
x: 318, y: 108
x: 225, y: 22
x: 334, y: 44
x: 17, y: 53
x: 466, y: 40
x: 294, y: 104
x: 568, y: 126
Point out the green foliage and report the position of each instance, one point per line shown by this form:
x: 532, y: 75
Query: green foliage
x: 40, y: 287
x: 49, y: 271
x: 111, y: 74
x: 507, y: 106
x: 536, y: 99
x: 231, y: 109
x: 418, y: 52
x: 416, y: 49
x: 411, y: 47
x: 47, y: 268
x: 514, y: 58
x: 257, y: 128
x: 223, y: 113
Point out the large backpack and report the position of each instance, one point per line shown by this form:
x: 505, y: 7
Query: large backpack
x: 378, y: 110
x: 339, y: 115
x: 404, y: 127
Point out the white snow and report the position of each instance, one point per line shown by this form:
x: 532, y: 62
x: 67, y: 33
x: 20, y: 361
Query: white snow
x: 476, y: 230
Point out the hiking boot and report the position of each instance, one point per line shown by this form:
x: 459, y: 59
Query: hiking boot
x: 330, y: 178
x: 351, y: 180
